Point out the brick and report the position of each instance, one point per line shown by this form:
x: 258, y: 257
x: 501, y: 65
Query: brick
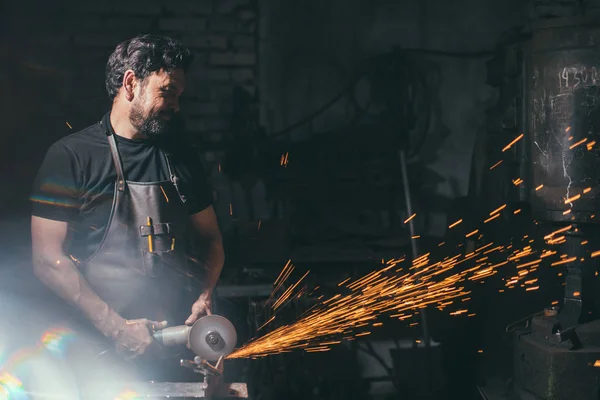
x: 187, y: 7
x: 138, y: 7
x: 230, y: 24
x: 210, y: 156
x: 198, y: 90
x: 183, y: 24
x: 203, y: 41
x: 94, y: 55
x: 139, y: 24
x: 223, y: 24
x: 195, y: 125
x: 246, y: 42
x: 243, y: 75
x: 232, y: 59
x: 87, y: 23
x: 246, y: 14
x: 90, y: 7
x: 251, y: 89
x: 205, y: 108
x: 246, y: 27
x: 50, y: 39
x: 206, y: 124
x: 221, y: 92
x: 228, y: 6
x: 210, y: 74
x: 36, y: 23
x: 200, y: 58
x: 98, y: 39
x: 217, y: 124
x: 193, y: 108
x: 217, y: 136
x: 226, y: 106
x: 213, y: 137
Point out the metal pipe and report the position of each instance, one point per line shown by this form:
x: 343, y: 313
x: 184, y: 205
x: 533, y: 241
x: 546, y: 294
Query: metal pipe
x: 413, y: 243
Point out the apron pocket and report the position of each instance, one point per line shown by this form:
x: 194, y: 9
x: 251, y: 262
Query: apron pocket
x: 154, y: 263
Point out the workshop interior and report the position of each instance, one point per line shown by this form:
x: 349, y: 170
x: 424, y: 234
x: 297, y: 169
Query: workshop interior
x: 406, y: 191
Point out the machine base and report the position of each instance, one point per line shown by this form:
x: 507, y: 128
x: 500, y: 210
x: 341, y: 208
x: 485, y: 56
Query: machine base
x: 547, y: 369
x: 169, y: 390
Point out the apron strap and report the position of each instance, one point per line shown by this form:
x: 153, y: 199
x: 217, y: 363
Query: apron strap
x: 114, y: 151
x: 174, y: 178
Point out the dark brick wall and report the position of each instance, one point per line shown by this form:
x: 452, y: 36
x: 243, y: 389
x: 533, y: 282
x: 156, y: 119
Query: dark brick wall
x: 57, y: 51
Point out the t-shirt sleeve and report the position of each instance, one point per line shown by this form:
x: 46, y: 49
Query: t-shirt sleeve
x: 200, y: 187
x: 55, y: 193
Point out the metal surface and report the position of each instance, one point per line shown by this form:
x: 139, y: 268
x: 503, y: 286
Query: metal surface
x: 164, y: 390
x: 411, y: 226
x: 551, y: 311
x: 564, y: 109
x: 549, y: 370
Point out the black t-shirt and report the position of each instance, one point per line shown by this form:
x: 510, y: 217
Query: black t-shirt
x: 77, y: 178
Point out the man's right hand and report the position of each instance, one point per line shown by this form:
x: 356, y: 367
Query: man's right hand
x: 135, y: 336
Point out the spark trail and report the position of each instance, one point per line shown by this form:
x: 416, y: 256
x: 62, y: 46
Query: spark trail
x: 400, y: 292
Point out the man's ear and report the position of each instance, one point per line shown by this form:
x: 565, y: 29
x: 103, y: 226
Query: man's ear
x: 129, y: 82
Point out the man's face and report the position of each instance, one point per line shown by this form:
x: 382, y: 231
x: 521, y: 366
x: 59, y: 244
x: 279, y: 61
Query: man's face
x: 156, y: 103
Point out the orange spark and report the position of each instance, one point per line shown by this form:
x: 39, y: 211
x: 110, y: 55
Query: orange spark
x: 472, y: 233
x: 455, y: 223
x: 409, y: 218
x: 578, y: 143
x: 491, y: 218
x: 495, y: 165
x: 565, y: 261
x: 572, y: 199
x: 497, y: 210
x: 508, y: 146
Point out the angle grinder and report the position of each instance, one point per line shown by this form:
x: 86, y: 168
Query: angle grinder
x: 210, y: 338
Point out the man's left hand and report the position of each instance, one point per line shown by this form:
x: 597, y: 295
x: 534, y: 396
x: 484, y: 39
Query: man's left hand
x: 200, y: 307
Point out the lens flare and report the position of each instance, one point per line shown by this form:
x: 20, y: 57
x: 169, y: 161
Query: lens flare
x: 56, y: 340
x: 11, y: 388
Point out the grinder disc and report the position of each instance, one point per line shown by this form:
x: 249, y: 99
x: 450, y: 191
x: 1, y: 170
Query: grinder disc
x: 212, y: 336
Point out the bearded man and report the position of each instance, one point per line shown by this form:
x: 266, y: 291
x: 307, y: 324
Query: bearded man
x: 117, y: 205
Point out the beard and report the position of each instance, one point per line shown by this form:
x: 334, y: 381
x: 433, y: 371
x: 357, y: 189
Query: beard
x: 152, y: 124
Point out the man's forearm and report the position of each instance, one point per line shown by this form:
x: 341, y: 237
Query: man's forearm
x: 213, y: 260
x: 63, y: 277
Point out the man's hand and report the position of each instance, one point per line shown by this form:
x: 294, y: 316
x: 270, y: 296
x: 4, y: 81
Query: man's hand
x: 200, y: 307
x: 135, y: 336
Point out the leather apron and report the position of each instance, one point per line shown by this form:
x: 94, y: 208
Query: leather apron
x: 138, y: 269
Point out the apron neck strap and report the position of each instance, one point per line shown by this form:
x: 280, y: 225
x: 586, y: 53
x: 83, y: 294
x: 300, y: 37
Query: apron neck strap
x: 114, y: 151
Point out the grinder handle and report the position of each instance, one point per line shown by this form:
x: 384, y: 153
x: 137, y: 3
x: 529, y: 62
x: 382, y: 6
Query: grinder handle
x: 172, y: 336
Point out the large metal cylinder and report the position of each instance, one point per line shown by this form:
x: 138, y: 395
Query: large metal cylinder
x: 564, y: 120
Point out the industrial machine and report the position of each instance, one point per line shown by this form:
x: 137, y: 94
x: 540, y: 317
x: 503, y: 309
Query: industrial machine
x: 550, y: 92
x: 556, y: 355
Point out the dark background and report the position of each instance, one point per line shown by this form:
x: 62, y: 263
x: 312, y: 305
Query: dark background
x: 322, y: 84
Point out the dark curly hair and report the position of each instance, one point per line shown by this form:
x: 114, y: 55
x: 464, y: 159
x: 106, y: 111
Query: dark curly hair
x: 145, y: 54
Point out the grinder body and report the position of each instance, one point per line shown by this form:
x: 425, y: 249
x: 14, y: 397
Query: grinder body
x: 210, y: 338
